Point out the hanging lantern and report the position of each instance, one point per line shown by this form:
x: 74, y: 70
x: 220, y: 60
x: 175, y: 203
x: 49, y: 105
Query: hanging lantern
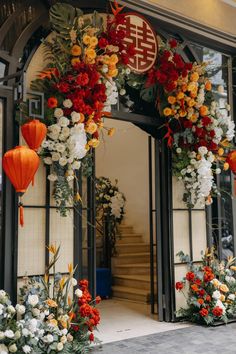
x: 34, y: 132
x: 231, y: 159
x: 20, y: 165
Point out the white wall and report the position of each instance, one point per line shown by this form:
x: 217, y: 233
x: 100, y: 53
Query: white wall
x: 125, y: 157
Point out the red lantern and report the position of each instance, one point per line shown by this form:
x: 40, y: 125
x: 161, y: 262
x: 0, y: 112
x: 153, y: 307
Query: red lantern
x: 231, y: 159
x: 20, y: 165
x: 34, y: 132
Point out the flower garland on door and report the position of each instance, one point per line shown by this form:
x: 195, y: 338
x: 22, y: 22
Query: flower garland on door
x: 88, y: 67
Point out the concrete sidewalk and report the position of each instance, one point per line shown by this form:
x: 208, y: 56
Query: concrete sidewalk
x: 191, y: 340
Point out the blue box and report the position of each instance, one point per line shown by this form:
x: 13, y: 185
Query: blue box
x: 104, y: 281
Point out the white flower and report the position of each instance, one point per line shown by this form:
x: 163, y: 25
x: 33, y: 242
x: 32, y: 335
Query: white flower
x: 25, y: 332
x: 220, y: 89
x: 52, y: 177
x: 26, y: 349
x: 122, y: 92
x: 47, y: 160
x: 17, y: 335
x: 67, y: 103
x: 62, y: 161
x: 217, y: 171
x: 60, y: 147
x: 58, y: 113
x: 75, y: 117
x: 9, y: 333
x: 65, y: 131
x: 105, y: 68
x: 63, y: 339
x: 11, y: 309
x: 13, y: 348
x: 231, y: 297
x: 2, y: 335
x: 33, y: 300
x: 36, y: 312
x: 55, y: 156
x: 216, y: 295
x: 78, y: 293
x: 178, y: 150
x: 74, y: 282
x: 3, y: 349
x: 127, y: 71
x: 69, y: 337
x: 33, y: 325
x: 63, y: 122
x: 60, y: 347
x: 20, y: 309
x: 2, y: 294
x: 230, y: 279
x: 48, y: 338
x: 76, y: 165
x: 202, y: 150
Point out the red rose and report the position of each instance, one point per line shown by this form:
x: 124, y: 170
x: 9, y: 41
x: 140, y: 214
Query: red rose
x: 83, y: 283
x: 52, y: 102
x: 217, y: 311
x: 206, y: 121
x: 82, y: 79
x: 212, y: 133
x: 188, y: 124
x: 188, y: 66
x: 161, y: 77
x: 102, y: 43
x: 212, y: 146
x: 63, y: 87
x: 98, y: 299
x: 91, y: 337
x: 208, y: 276
x: 170, y: 86
x: 190, y: 276
x: 166, y: 55
x: 197, y: 281
x: 208, y: 298
x: 179, y: 285
x: 202, y: 292
x: 173, y: 43
x: 203, y: 312
x: 85, y: 310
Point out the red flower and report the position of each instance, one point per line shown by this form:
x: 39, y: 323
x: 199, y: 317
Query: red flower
x: 217, y: 311
x: 82, y: 79
x: 212, y: 133
x: 188, y: 124
x: 52, y: 102
x: 173, y: 43
x: 202, y: 292
x: 83, y: 284
x: 166, y: 55
x: 197, y: 281
x: 190, y: 276
x: 98, y: 299
x: 208, y: 298
x: 85, y: 310
x: 63, y: 87
x: 188, y: 66
x: 206, y: 121
x: 102, y: 43
x: 179, y: 285
x: 170, y: 86
x: 203, y: 312
x: 208, y: 276
x: 161, y: 77
x: 91, y: 337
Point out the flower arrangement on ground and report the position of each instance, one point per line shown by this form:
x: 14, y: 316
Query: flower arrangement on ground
x: 48, y: 319
x: 110, y: 207
x: 211, y: 289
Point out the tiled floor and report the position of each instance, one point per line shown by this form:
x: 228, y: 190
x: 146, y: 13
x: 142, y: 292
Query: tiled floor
x: 121, y: 320
x: 191, y: 340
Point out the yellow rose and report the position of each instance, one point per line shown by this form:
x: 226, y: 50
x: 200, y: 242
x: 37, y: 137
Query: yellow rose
x: 113, y: 59
x: 76, y: 50
x: 216, y: 283
x: 75, y: 61
x: 53, y: 322
x: 86, y: 39
x: 51, y: 303
x: 224, y: 288
x: 182, y: 113
x: 112, y: 73
x: 222, y: 298
x: 90, y: 53
x: 167, y: 111
x: 91, y: 128
x: 105, y: 59
x: 194, y: 77
x: 94, y: 143
x: 193, y: 118
x: 191, y: 86
x: 171, y: 99
x: 93, y: 41
x: 191, y: 102
x: 180, y: 96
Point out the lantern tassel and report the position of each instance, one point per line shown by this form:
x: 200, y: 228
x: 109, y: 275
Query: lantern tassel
x: 21, y: 215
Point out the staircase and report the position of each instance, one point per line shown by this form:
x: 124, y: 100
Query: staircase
x: 131, y: 267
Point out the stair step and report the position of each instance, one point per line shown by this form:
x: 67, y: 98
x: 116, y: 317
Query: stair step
x: 129, y: 239
x: 134, y: 294
x: 124, y: 228
x: 127, y: 258
x: 133, y: 281
x: 132, y: 248
x: 132, y: 269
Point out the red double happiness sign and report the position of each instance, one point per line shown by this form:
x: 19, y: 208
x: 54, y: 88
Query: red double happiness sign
x: 140, y: 34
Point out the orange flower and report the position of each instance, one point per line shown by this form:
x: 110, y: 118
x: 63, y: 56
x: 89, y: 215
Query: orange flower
x: 182, y: 113
x: 224, y: 288
x: 75, y: 61
x: 167, y: 111
x: 111, y: 132
x: 171, y: 99
x: 191, y: 102
x: 208, y: 85
x: 94, y: 143
x: 53, y: 322
x: 113, y: 59
x: 193, y: 118
x: 91, y: 128
x: 86, y: 39
x: 226, y: 167
x: 221, y: 152
x: 192, y: 86
x: 200, y: 301
x: 93, y: 41
x: 195, y: 288
x: 91, y: 54
x: 51, y: 303
x: 76, y: 50
x: 180, y: 96
x: 203, y: 111
x: 52, y: 102
x: 194, y: 77
x: 112, y: 73
x: 208, y: 298
x: 52, y: 249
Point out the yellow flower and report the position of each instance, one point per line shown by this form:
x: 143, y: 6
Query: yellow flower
x: 221, y: 152
x: 62, y: 283
x: 90, y: 53
x: 113, y: 59
x: 191, y: 86
x: 203, y: 110
x: 171, y: 99
x: 112, y: 73
x: 222, y: 298
x: 86, y: 39
x: 75, y: 61
x: 180, y: 96
x: 233, y: 268
x: 194, y: 77
x: 51, y: 303
x: 182, y: 113
x: 111, y: 132
x: 70, y: 268
x: 93, y: 41
x: 216, y: 283
x: 76, y: 50
x: 105, y: 59
x: 94, y: 143
x: 193, y: 118
x: 184, y: 87
x: 191, y: 102
x: 91, y: 128
x: 63, y: 323
x: 167, y: 111
x: 53, y: 322
x: 226, y: 167
x: 224, y: 288
x: 193, y: 93
x: 52, y: 249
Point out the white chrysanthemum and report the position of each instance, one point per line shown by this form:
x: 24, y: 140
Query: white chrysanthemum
x: 33, y: 300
